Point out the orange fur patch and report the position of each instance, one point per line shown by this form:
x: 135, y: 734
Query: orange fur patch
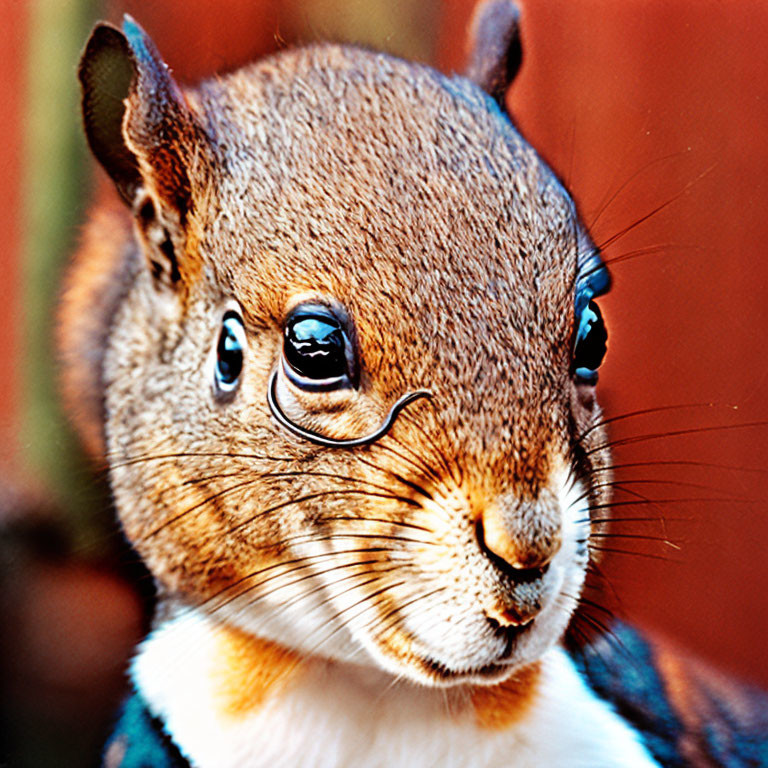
x: 248, y: 669
x: 499, y: 706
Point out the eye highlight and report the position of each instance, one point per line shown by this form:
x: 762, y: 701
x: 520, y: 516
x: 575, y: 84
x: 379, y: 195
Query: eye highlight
x: 230, y: 351
x: 316, y: 350
x: 591, y: 338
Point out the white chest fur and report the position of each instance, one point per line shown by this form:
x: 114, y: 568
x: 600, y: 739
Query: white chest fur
x: 339, y: 716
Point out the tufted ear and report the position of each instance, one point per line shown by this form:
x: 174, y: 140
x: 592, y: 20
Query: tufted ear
x: 145, y: 136
x: 493, y: 45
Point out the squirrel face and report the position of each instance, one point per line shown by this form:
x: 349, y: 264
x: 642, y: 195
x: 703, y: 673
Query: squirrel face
x: 359, y: 227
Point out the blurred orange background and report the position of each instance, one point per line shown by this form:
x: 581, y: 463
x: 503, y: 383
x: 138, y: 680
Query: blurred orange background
x: 655, y: 114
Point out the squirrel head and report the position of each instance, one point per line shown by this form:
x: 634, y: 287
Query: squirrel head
x: 353, y: 227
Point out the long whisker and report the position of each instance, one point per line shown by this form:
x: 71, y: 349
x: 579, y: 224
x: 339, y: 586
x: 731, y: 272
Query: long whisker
x: 397, y: 476
x: 641, y: 412
x: 261, y: 513
x: 399, y: 524
x: 341, y: 492
x: 686, y: 500
x: 429, y: 440
x: 621, y: 485
x: 326, y: 587
x: 674, y: 433
x: 364, y: 604
x: 636, y: 553
x: 647, y: 519
x: 605, y: 203
x: 420, y: 466
x: 595, y: 571
x: 592, y: 604
x: 300, y: 563
x: 678, y: 463
x: 195, y: 507
x: 150, y: 457
x: 639, y: 536
x: 346, y: 478
x: 397, y: 611
x: 626, y: 230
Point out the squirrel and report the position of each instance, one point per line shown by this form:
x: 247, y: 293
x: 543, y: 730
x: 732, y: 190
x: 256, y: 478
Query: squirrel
x: 337, y: 339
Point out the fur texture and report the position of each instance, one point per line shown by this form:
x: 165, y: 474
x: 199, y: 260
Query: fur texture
x: 396, y: 604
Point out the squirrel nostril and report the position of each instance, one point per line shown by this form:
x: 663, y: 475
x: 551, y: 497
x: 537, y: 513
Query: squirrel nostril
x: 520, y: 570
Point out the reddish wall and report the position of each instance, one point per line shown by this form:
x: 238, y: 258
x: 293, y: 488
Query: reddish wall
x: 12, y: 46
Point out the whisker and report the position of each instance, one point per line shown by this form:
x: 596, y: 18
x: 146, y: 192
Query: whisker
x: 419, y: 466
x: 592, y: 604
x: 603, y: 629
x: 341, y: 492
x: 353, y: 518
x: 365, y: 602
x: 324, y: 587
x: 301, y: 563
x: 626, y: 230
x: 674, y: 433
x: 606, y: 520
x: 397, y: 610
x: 641, y: 412
x: 679, y: 463
x: 594, y: 570
x: 268, y: 475
x: 442, y: 459
x: 386, y: 470
x: 633, y: 552
x: 199, y: 454
x: 305, y: 577
x: 605, y: 203
x: 687, y: 500
x: 620, y: 484
x: 639, y: 536
x: 195, y: 507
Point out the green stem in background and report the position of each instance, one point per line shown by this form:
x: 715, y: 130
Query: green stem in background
x: 54, y: 194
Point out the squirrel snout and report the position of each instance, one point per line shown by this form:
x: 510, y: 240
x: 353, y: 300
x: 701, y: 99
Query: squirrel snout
x: 520, y: 537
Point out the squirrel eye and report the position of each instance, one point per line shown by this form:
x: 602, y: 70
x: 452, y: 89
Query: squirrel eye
x: 316, y: 351
x: 229, y: 353
x: 591, y: 339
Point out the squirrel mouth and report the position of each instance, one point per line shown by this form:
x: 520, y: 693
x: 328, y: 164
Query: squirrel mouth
x: 498, y: 668
x: 509, y: 635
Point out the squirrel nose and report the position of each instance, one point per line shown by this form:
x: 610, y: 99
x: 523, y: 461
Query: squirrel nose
x: 520, y: 542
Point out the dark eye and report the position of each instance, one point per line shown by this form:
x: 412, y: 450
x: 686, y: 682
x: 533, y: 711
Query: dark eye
x: 229, y: 353
x: 316, y: 349
x: 591, y: 340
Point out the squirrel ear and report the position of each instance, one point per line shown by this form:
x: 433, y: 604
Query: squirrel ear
x: 141, y: 130
x: 494, y: 49
x: 136, y: 120
x: 106, y: 73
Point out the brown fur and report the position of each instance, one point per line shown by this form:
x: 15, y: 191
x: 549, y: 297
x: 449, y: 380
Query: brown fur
x: 406, y: 200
